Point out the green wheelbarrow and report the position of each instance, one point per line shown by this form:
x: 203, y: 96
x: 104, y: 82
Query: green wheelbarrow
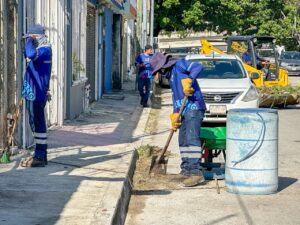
x: 213, y: 141
x: 213, y: 138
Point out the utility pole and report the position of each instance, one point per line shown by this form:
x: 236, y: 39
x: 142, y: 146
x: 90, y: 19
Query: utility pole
x: 144, y: 24
x: 11, y: 54
x: 4, y: 73
x: 1, y: 78
x: 68, y: 54
x: 20, y: 60
x: 151, y: 21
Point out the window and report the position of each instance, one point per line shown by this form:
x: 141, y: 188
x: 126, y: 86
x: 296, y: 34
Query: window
x: 221, y: 69
x: 78, y: 41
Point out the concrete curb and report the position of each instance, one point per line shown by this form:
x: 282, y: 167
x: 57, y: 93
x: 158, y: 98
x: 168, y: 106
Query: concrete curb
x: 121, y: 208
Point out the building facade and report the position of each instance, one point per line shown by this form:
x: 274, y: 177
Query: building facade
x: 93, y: 49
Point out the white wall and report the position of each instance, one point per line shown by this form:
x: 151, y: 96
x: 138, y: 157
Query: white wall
x: 50, y: 13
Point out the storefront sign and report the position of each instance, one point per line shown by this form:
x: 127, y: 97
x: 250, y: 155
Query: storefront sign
x: 133, y: 8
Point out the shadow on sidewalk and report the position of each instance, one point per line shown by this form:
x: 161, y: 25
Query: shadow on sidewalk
x: 76, y: 185
x: 40, y: 195
x: 285, y: 182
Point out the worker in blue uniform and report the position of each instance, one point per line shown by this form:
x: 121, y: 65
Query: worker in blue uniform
x: 144, y: 74
x: 261, y: 63
x: 182, y: 75
x: 38, y: 54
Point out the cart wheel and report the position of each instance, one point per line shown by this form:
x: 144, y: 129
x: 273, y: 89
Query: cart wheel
x: 205, y: 153
x: 224, y: 154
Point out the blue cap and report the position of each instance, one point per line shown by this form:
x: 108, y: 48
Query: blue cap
x: 36, y: 29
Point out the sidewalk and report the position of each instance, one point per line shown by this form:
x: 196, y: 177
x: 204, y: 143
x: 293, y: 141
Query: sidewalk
x: 89, y: 160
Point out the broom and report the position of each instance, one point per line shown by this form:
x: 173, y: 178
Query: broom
x: 5, y: 158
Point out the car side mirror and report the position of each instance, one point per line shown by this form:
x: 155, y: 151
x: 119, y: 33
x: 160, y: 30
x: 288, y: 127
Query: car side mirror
x: 254, y: 75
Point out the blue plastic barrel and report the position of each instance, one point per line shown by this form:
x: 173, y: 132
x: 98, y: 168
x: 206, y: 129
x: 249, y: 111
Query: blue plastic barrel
x: 252, y: 151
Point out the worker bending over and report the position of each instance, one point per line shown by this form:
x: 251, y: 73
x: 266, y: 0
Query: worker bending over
x: 182, y: 75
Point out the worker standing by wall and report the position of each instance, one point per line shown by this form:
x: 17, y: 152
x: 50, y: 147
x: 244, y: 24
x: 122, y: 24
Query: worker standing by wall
x: 182, y: 75
x: 38, y: 54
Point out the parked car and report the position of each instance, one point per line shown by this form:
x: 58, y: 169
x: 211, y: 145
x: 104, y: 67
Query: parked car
x: 225, y: 85
x: 291, y: 62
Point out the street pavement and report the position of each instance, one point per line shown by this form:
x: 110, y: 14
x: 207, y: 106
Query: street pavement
x: 294, y: 80
x: 88, y: 158
x: 203, y: 205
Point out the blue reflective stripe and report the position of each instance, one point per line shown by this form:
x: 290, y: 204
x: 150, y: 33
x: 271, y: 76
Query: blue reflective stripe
x: 190, y: 156
x: 41, y: 142
x: 190, y: 66
x: 244, y: 184
x: 244, y: 139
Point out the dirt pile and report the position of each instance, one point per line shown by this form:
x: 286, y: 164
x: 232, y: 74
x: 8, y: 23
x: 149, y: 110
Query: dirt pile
x: 143, y: 180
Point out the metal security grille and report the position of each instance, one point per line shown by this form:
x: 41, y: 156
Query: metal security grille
x: 220, y: 97
x: 91, y: 49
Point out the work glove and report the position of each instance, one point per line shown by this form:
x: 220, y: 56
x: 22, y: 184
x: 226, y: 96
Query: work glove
x: 187, y: 86
x: 175, y: 122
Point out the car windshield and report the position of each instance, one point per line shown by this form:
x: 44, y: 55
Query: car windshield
x: 288, y: 55
x: 221, y: 69
x: 265, y: 52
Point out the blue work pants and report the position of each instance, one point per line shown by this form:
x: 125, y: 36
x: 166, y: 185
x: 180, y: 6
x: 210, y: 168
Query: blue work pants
x: 144, y: 85
x: 38, y: 126
x: 189, y: 142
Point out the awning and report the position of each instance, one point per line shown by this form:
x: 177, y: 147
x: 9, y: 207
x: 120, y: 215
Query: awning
x: 117, y: 6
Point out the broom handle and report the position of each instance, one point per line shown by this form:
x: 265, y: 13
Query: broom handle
x: 172, y: 131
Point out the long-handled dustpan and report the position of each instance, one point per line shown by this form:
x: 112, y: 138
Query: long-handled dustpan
x: 158, y: 162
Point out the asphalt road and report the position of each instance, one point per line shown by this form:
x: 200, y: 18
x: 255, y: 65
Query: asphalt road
x: 203, y: 205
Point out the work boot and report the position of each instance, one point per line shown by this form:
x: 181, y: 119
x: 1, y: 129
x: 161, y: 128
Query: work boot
x: 193, y: 180
x: 179, y: 177
x: 32, y: 162
x: 146, y: 105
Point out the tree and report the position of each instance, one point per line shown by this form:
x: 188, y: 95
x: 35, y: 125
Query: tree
x: 279, y: 18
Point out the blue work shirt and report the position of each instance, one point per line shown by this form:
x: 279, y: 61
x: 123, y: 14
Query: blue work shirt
x: 146, y: 70
x: 247, y: 57
x: 37, y: 76
x: 181, y: 70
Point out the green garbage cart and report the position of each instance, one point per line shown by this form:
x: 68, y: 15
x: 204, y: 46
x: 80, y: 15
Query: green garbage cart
x: 213, y: 141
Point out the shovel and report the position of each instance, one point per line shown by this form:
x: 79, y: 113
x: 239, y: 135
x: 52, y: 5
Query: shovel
x: 158, y: 162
